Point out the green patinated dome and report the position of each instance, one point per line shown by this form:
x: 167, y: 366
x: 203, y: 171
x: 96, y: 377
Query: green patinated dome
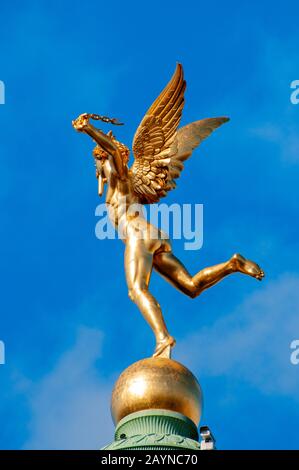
x: 155, y: 430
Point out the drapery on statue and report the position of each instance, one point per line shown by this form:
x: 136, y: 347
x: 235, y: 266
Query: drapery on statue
x: 160, y: 149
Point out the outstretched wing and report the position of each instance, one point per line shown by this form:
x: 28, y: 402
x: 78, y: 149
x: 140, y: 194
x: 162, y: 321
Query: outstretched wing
x: 159, y: 149
x: 154, y: 138
x: 186, y: 139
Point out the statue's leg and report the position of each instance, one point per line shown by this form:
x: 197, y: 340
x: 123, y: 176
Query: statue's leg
x: 138, y: 265
x: 175, y: 272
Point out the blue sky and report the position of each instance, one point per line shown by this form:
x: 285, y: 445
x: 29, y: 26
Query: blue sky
x: 68, y: 325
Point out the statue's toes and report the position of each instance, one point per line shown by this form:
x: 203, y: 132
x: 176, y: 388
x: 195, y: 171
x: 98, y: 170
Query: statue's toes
x: 260, y: 275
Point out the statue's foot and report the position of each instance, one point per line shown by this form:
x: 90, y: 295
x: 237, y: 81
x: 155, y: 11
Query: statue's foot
x: 245, y: 266
x: 163, y: 347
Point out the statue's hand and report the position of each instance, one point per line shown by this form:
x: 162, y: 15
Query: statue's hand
x: 81, y: 123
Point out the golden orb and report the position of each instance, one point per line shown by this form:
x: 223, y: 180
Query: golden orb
x: 157, y: 383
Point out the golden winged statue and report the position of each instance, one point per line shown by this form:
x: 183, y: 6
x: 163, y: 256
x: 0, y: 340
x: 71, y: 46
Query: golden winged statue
x: 159, y: 149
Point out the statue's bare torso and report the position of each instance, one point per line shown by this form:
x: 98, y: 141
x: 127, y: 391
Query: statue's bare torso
x: 127, y: 214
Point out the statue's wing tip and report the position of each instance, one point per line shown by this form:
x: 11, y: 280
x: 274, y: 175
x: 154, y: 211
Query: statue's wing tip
x: 218, y: 121
x: 179, y: 67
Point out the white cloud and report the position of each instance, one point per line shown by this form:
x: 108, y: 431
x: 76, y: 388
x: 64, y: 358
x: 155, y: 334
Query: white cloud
x: 253, y: 343
x: 70, y: 406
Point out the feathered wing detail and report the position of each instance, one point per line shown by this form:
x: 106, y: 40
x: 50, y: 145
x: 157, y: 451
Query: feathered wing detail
x: 153, y: 140
x: 159, y: 149
x: 187, y: 138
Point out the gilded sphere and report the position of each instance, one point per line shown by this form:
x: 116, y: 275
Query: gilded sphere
x: 157, y: 383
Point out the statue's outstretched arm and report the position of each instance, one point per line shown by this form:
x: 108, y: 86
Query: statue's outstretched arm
x: 82, y: 124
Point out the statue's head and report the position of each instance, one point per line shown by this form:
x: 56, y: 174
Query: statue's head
x: 99, y: 153
x: 100, y: 157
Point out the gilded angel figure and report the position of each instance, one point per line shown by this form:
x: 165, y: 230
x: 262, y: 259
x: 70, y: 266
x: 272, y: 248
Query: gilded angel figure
x: 160, y: 149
